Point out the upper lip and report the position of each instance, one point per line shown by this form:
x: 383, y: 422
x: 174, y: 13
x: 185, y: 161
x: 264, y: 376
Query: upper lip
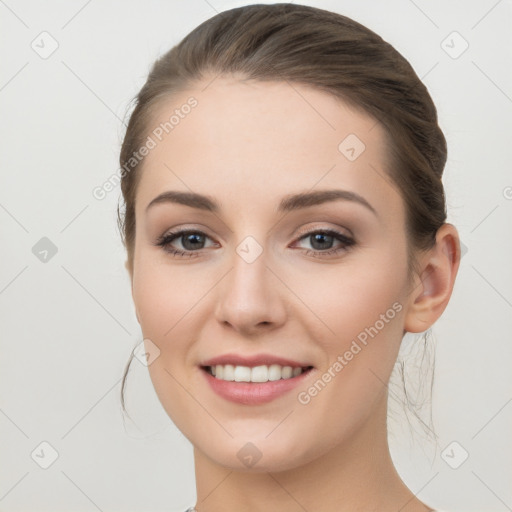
x: 251, y: 361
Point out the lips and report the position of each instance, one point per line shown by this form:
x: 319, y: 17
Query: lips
x: 255, y: 393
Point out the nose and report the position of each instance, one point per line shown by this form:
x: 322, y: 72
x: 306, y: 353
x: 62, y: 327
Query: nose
x: 251, y: 298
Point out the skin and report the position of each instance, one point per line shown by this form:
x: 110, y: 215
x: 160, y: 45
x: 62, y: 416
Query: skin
x: 247, y: 145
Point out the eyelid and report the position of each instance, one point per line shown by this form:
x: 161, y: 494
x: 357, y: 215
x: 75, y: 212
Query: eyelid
x: 323, y: 227
x: 179, y: 232
x: 180, y: 229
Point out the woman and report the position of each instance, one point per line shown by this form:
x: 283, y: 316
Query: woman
x: 285, y: 226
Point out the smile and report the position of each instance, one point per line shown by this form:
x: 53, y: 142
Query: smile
x: 236, y: 384
x: 263, y: 373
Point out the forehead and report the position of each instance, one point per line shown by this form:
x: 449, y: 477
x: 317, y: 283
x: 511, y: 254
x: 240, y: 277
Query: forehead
x: 262, y: 140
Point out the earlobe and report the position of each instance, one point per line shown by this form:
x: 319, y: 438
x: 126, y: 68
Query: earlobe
x: 431, y: 295
x: 129, y: 270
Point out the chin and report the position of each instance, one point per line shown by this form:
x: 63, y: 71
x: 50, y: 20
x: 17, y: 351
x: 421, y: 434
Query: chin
x: 258, y: 454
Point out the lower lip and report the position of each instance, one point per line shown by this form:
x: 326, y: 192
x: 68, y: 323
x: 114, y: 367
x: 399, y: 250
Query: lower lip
x: 253, y: 393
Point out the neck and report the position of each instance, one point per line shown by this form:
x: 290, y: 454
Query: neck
x: 356, y: 475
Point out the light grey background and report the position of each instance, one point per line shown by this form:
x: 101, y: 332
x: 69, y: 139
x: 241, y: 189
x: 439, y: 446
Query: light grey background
x: 68, y: 324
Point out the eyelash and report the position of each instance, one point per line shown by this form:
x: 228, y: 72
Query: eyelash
x: 164, y: 241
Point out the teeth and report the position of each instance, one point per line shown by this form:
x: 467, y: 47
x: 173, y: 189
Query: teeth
x: 263, y: 373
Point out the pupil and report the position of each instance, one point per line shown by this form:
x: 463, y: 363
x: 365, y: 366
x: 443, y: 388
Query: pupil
x: 321, y: 238
x: 193, y: 239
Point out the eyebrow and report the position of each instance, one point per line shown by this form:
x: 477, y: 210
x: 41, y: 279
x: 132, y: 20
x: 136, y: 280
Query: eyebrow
x: 288, y: 203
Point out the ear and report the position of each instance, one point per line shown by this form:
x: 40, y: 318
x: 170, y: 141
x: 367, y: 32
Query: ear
x: 128, y: 269
x: 130, y: 273
x: 433, y: 288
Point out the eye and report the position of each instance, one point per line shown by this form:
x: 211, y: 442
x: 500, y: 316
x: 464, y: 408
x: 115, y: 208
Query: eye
x: 190, y: 240
x: 322, y: 241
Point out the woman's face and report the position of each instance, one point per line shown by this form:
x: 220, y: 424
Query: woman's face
x: 260, y: 275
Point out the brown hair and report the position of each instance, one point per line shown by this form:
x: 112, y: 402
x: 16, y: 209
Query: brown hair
x: 310, y: 46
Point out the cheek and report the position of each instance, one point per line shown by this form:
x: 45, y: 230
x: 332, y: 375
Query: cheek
x: 362, y: 306
x: 352, y: 297
x: 168, y: 303
x: 165, y: 295
x: 358, y: 321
